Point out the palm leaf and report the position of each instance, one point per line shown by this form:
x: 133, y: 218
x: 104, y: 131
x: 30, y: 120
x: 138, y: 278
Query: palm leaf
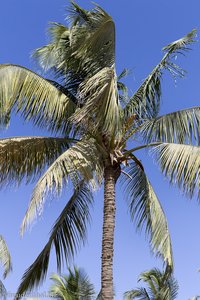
x: 100, y: 102
x: 5, y: 257
x: 78, y: 52
x: 146, y: 101
x: 3, y: 291
x: 125, y: 72
x: 76, y: 285
x: 97, y: 49
x: 122, y: 88
x: 26, y: 157
x: 160, y: 283
x: 67, y: 235
x: 80, y: 161
x: 154, y: 279
x: 181, y: 164
x: 59, y: 288
x: 56, y: 56
x: 177, y: 127
x: 147, y: 212
x: 140, y: 294
x: 33, y: 96
x: 48, y: 56
x: 77, y: 14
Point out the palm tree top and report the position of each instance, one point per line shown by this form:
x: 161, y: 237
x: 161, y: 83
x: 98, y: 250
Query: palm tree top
x: 93, y: 117
x: 74, y: 286
x: 160, y: 285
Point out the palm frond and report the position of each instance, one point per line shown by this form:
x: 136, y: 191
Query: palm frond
x: 78, y: 52
x: 139, y: 293
x: 154, y: 279
x: 26, y: 157
x: 177, y: 127
x: 125, y: 72
x: 123, y: 93
x: 77, y: 15
x: 160, y: 283
x: 100, y: 98
x: 48, y: 56
x: 5, y: 257
x: 56, y: 57
x: 181, y: 164
x: 97, y: 49
x: 67, y: 91
x: 146, y: 211
x: 83, y: 160
x: 3, y: 291
x: 33, y: 96
x: 76, y: 285
x: 146, y: 100
x: 67, y: 235
x: 59, y: 288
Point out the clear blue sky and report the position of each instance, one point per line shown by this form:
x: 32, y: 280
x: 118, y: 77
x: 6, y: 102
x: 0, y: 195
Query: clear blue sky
x: 143, y: 28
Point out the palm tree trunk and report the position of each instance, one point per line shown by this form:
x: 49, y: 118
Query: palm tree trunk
x: 111, y: 175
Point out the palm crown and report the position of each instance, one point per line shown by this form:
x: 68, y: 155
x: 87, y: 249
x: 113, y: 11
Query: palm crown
x: 87, y: 107
x: 74, y: 286
x: 160, y: 286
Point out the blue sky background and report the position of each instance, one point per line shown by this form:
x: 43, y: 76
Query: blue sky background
x: 143, y: 27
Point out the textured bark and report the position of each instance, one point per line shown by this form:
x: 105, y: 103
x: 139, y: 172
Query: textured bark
x: 111, y: 175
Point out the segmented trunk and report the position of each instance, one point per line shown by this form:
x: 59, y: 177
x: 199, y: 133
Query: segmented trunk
x: 111, y: 175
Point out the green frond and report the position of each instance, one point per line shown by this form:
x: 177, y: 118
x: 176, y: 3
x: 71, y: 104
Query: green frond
x: 26, y: 157
x: 159, y: 286
x: 122, y: 88
x: 57, y: 58
x: 67, y: 235
x: 77, y: 15
x: 160, y: 283
x: 146, y: 211
x: 5, y: 257
x: 3, y: 291
x: 181, y: 164
x: 178, y: 127
x: 34, y: 97
x: 78, y: 52
x: 179, y: 46
x: 56, y: 31
x: 123, y: 93
x: 59, y: 288
x: 81, y: 161
x: 67, y: 91
x: 146, y: 100
x: 97, y: 49
x: 49, y: 56
x: 139, y: 293
x: 76, y: 285
x: 100, y: 102
x: 124, y: 73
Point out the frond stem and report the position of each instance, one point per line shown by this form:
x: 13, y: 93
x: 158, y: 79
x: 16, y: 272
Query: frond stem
x: 139, y: 147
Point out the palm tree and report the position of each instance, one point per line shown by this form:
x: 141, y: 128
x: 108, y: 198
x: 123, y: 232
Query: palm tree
x: 160, y: 286
x: 75, y: 286
x: 93, y: 118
